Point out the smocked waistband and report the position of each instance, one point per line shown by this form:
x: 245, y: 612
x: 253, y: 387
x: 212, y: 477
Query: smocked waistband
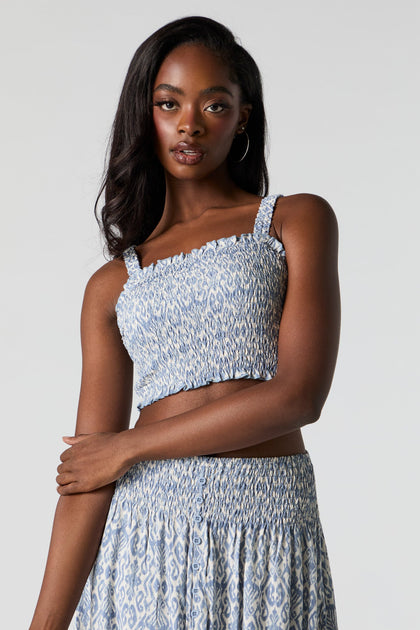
x: 250, y: 489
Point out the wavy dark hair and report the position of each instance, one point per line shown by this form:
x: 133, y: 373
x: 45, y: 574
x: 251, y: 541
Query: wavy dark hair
x: 134, y: 180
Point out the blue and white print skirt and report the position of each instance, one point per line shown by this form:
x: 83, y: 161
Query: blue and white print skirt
x: 213, y: 543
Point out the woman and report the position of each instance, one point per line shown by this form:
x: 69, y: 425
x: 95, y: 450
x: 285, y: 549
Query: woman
x: 204, y: 515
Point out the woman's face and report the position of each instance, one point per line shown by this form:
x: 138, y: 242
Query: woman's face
x: 196, y: 112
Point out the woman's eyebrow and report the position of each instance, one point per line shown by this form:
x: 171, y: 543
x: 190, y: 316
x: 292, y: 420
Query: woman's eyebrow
x: 210, y: 90
x: 216, y: 88
x: 168, y: 87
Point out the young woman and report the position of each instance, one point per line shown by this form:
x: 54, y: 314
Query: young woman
x: 226, y: 300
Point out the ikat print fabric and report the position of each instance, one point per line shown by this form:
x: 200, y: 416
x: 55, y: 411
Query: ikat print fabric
x: 209, y: 542
x: 217, y: 543
x: 210, y: 315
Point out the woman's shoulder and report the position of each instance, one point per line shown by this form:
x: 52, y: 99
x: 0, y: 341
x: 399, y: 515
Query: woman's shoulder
x: 304, y: 213
x: 105, y: 285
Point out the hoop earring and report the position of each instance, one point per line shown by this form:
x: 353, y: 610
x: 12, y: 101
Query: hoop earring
x: 247, y: 146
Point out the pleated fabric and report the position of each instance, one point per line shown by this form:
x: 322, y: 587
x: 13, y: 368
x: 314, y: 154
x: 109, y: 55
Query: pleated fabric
x: 220, y: 543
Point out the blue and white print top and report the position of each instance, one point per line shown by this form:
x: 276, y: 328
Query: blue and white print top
x: 210, y: 315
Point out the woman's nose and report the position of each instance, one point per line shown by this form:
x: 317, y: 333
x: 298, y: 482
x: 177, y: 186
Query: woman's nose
x: 190, y: 122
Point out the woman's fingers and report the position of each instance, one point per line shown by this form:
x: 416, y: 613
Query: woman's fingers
x: 65, y: 455
x: 70, y: 488
x: 75, y: 439
x: 72, y: 441
x: 64, y: 478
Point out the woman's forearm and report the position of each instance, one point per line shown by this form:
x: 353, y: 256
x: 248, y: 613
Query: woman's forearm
x: 232, y: 422
x: 77, y: 530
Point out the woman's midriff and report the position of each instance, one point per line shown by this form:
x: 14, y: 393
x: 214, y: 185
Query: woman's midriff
x: 184, y: 401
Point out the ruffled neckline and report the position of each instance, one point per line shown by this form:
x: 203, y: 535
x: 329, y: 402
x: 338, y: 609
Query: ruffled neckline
x: 162, y: 264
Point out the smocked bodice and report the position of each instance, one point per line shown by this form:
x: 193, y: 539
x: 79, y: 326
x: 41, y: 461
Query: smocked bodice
x: 209, y: 315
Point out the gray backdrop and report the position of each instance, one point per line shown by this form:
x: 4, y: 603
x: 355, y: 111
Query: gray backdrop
x: 341, y: 89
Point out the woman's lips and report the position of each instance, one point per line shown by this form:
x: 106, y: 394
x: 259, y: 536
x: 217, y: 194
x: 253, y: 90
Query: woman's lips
x: 185, y: 153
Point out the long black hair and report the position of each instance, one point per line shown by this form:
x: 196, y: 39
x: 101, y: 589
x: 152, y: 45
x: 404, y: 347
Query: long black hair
x: 134, y: 181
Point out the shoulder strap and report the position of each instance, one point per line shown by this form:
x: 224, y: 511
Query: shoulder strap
x: 131, y: 261
x: 264, y: 214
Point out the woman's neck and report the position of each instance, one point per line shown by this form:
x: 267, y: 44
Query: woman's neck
x: 187, y: 199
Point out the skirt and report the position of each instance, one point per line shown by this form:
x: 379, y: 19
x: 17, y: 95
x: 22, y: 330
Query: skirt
x: 218, y: 543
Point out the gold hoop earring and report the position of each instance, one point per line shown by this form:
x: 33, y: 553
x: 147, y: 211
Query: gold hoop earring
x: 247, y: 145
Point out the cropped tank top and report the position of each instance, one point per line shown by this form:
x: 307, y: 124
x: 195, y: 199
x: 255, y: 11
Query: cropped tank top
x: 206, y: 316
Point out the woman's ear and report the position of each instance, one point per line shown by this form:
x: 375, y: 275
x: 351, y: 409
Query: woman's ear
x: 244, y: 114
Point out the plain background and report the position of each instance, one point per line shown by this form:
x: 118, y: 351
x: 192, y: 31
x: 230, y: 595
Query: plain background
x: 341, y: 89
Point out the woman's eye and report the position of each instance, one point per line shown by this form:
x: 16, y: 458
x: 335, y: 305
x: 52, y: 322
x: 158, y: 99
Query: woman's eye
x: 216, y: 108
x: 166, y: 105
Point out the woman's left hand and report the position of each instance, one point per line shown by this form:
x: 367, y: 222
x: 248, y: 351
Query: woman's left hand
x: 92, y: 461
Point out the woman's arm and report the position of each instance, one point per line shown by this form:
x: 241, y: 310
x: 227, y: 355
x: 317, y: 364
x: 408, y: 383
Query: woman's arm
x: 104, y: 405
x: 307, y: 350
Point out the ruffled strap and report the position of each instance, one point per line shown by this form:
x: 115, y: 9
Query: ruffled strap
x: 131, y: 261
x: 264, y: 214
